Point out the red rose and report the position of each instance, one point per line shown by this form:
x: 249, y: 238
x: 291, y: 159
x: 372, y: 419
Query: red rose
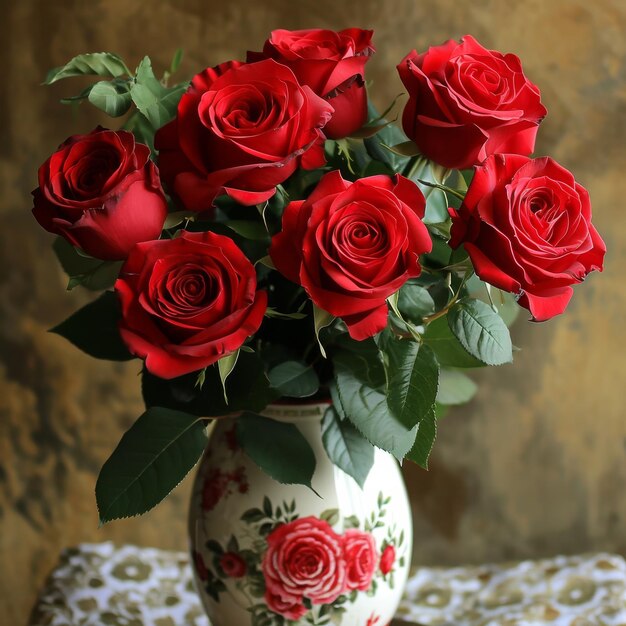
x: 387, y: 559
x: 352, y: 245
x: 241, y: 130
x: 526, y: 225
x: 466, y: 102
x: 233, y: 565
x: 102, y: 193
x: 304, y: 559
x: 332, y: 64
x: 187, y: 302
x: 361, y: 559
x: 290, y: 608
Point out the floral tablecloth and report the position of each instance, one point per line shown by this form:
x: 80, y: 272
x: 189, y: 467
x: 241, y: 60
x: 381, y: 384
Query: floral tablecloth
x: 99, y: 584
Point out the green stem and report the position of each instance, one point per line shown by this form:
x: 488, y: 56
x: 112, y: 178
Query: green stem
x: 445, y: 188
x: 435, y: 316
x: 419, y: 162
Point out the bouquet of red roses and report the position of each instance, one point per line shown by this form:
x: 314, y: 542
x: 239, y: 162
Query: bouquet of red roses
x: 262, y: 232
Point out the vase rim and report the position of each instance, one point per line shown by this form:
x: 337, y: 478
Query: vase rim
x: 294, y: 411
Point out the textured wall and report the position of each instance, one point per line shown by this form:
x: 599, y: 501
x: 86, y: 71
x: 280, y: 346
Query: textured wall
x: 535, y: 465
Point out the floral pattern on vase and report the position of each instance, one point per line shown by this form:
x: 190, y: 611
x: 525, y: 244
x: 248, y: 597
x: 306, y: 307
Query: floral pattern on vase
x: 306, y: 568
x: 279, y: 555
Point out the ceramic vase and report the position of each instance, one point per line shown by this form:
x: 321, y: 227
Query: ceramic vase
x: 270, y: 554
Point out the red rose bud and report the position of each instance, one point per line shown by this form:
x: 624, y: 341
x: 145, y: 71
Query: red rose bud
x: 526, y: 225
x: 102, y: 193
x: 241, y: 130
x: 467, y: 102
x: 187, y: 302
x: 332, y: 64
x: 361, y: 559
x: 352, y: 245
x: 233, y: 565
x: 387, y: 559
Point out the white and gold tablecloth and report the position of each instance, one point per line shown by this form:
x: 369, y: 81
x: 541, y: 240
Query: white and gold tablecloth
x: 99, y: 584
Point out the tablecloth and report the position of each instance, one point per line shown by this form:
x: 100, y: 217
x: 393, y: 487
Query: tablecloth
x: 96, y: 584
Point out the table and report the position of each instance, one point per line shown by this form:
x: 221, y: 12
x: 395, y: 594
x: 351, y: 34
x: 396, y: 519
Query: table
x: 100, y: 584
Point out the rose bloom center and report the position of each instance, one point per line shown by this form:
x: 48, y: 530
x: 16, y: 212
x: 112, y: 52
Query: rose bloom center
x: 308, y: 563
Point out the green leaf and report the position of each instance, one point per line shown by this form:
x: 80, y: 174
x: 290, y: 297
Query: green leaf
x: 397, y: 320
x: 71, y: 260
x: 225, y: 367
x: 249, y: 229
x: 368, y: 131
x: 507, y: 306
x: 278, y: 448
x: 467, y: 175
x: 426, y: 434
x: 248, y: 390
x: 252, y: 516
x: 505, y: 302
x: 455, y: 387
x: 441, y: 410
x: 446, y: 346
x: 93, y: 329
x: 346, y: 447
x: 352, y: 521
x: 102, y: 277
x: 176, y: 59
x: 412, y: 380
x: 457, y: 182
x: 321, y: 319
x: 406, y: 148
x: 267, y: 262
x: 481, y: 331
x: 214, y: 546
x: 273, y: 313
x: 138, y: 124
x: 202, y: 377
x: 294, y: 379
x: 156, y: 102
x: 98, y: 63
x: 440, y: 253
x: 436, y: 199
x: 374, y: 117
x: 360, y: 380
x: 83, y: 95
x: 112, y: 97
x: 415, y: 302
x: 175, y: 218
x: 343, y: 150
x: 84, y: 270
x: 389, y: 136
x: 459, y: 257
x: 330, y: 515
x: 152, y: 458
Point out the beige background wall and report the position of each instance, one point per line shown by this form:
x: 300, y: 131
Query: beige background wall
x: 534, y: 466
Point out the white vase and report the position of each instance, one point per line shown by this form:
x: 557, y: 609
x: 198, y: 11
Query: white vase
x: 268, y: 554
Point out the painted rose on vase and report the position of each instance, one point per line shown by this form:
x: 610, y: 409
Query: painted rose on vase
x: 302, y: 567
